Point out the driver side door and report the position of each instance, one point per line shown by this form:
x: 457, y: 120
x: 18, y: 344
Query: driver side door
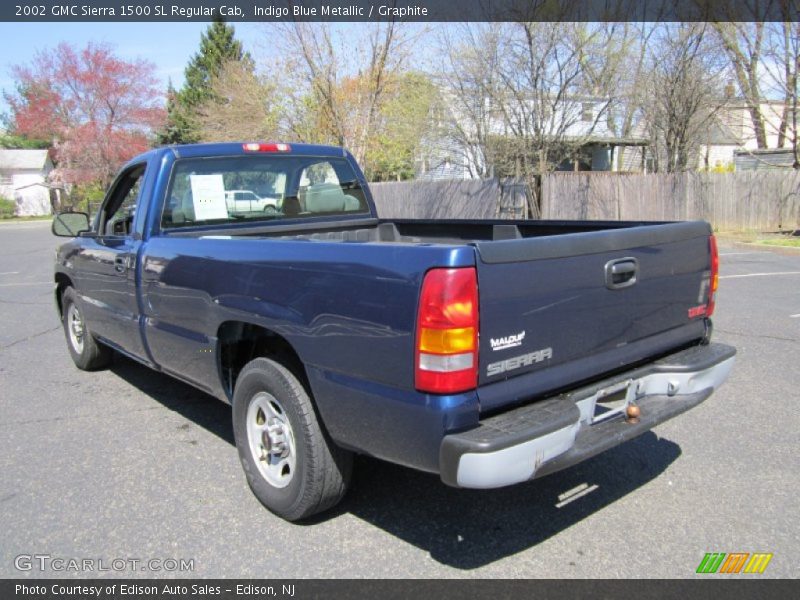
x: 107, y: 263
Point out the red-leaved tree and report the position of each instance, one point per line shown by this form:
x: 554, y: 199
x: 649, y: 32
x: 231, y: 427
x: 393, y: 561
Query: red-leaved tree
x: 98, y: 110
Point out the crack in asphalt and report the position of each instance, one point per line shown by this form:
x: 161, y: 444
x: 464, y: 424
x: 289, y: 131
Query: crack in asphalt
x: 31, y: 337
x: 23, y: 303
x: 114, y: 413
x: 757, y: 335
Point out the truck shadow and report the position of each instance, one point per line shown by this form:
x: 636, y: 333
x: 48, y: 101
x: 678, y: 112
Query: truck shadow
x: 467, y: 529
x: 464, y: 529
x: 200, y: 408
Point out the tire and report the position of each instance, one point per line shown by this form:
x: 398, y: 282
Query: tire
x: 86, y: 352
x: 291, y: 464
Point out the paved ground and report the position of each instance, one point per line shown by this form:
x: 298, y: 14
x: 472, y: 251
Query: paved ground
x: 126, y: 463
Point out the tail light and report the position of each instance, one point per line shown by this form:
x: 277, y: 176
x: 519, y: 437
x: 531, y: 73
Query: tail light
x: 270, y: 147
x: 712, y: 292
x: 447, y: 332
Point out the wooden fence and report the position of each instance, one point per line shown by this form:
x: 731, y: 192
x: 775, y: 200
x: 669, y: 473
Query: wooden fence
x: 451, y: 199
x: 761, y: 201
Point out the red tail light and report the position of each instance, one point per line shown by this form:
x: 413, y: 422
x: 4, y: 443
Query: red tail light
x: 271, y: 147
x: 714, y: 283
x: 446, y: 360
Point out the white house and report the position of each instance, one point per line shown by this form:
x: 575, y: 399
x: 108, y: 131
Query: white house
x: 23, y: 178
x: 731, y: 135
x: 579, y: 121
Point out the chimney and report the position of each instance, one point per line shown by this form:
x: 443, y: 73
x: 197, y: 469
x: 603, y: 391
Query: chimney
x: 730, y: 90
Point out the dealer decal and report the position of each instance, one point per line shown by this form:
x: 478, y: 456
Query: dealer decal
x: 510, y: 341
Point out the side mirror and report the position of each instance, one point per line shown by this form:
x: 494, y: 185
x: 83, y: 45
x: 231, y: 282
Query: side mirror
x: 70, y: 224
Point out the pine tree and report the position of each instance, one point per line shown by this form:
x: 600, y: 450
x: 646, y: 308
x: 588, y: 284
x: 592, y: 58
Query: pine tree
x: 217, y: 45
x: 176, y: 126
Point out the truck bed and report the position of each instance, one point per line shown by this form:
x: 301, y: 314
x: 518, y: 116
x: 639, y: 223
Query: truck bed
x: 548, y: 319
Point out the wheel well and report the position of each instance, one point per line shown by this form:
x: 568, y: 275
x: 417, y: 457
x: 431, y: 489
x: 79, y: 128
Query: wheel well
x: 241, y: 342
x: 62, y: 283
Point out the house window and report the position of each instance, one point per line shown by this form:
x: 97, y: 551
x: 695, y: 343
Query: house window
x: 587, y: 112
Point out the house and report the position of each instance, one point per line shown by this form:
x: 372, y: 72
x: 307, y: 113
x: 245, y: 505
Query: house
x: 23, y: 178
x: 731, y: 138
x: 453, y: 149
x: 718, y: 147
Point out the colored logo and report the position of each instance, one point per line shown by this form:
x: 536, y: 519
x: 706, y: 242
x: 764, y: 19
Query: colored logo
x: 735, y: 562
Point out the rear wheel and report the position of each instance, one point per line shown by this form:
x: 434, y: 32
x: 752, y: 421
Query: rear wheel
x: 291, y: 464
x: 86, y: 352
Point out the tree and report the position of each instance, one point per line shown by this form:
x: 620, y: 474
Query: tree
x: 682, y: 94
x: 241, y: 105
x: 338, y: 88
x: 20, y: 142
x: 403, y: 123
x: 522, y: 97
x: 782, y: 68
x: 743, y: 44
x: 617, y: 64
x: 98, y: 110
x: 218, y: 45
x: 469, y: 82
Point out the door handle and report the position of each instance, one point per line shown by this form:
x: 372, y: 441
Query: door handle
x: 621, y: 273
x: 120, y: 264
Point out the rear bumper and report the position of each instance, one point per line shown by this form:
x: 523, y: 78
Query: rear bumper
x: 558, y: 432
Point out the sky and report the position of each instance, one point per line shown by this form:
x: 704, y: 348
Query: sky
x: 168, y: 45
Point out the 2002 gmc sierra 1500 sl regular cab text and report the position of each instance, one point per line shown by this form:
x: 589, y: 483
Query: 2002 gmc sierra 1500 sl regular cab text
x: 489, y: 352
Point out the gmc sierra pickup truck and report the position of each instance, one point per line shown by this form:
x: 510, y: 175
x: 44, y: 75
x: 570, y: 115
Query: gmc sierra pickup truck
x: 488, y: 352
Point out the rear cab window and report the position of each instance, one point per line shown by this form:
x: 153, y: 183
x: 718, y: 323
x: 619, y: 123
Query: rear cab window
x: 236, y: 189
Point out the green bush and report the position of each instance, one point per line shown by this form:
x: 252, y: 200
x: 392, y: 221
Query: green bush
x: 87, y: 197
x: 7, y: 208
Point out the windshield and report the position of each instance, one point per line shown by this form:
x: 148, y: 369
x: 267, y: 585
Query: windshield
x: 266, y: 187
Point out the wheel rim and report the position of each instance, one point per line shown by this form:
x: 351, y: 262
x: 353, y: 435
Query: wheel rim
x: 271, y: 439
x: 75, y: 328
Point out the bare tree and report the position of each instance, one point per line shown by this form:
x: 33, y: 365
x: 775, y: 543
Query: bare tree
x: 526, y: 96
x: 242, y: 105
x: 469, y: 84
x: 339, y: 82
x: 683, y: 94
x: 624, y: 51
x: 743, y: 44
x: 782, y: 66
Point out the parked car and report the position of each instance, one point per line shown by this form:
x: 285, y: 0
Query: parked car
x: 249, y: 201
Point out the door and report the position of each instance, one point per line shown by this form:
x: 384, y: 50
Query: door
x: 107, y: 263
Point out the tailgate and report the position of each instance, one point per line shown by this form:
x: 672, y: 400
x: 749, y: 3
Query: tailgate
x: 570, y: 307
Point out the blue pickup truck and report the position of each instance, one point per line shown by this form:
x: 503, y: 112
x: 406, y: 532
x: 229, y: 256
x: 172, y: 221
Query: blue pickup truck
x: 488, y: 352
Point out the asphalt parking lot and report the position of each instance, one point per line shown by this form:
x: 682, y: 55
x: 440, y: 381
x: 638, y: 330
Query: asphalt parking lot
x: 127, y: 463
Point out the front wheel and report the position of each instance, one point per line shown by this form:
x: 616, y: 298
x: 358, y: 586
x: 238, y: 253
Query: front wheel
x: 291, y: 464
x: 86, y: 352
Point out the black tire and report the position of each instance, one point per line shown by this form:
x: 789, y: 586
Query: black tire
x: 320, y: 470
x: 86, y: 352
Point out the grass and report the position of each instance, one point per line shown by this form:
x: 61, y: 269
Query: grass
x: 761, y: 239
x: 790, y: 242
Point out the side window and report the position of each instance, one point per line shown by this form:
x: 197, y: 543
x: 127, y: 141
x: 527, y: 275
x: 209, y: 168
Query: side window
x: 116, y: 218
